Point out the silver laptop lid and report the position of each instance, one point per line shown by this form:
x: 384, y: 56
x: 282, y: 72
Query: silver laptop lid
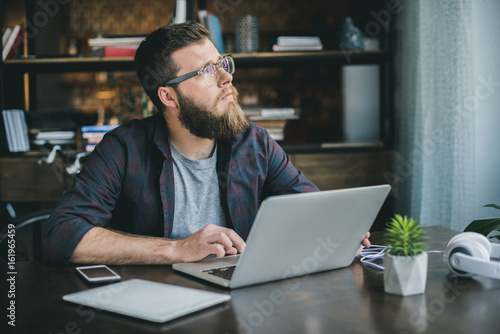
x: 300, y: 234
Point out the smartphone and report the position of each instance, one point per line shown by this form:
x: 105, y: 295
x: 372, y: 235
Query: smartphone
x: 98, y: 274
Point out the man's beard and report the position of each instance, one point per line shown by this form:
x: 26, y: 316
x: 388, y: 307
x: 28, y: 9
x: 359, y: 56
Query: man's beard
x: 208, y: 122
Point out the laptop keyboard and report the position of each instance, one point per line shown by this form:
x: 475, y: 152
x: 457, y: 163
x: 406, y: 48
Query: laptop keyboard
x: 224, y: 272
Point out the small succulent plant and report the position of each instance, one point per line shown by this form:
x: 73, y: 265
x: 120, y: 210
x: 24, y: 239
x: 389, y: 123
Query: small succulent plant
x: 405, y: 237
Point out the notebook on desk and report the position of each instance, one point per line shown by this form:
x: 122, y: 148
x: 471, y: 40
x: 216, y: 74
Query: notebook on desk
x: 147, y: 300
x: 295, y: 235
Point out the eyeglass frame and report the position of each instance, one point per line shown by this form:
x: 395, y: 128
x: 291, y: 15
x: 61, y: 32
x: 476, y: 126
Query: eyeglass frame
x: 189, y: 75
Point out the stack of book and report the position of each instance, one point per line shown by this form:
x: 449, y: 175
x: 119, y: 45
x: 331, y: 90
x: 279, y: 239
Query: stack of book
x: 93, y: 134
x: 273, y: 119
x: 115, y: 46
x: 51, y: 138
x: 49, y: 127
x: 298, y: 43
x: 16, y: 130
x: 12, y: 38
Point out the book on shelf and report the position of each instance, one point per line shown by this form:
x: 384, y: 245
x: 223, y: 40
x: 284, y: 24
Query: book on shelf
x: 5, y: 35
x: 212, y: 23
x: 260, y: 114
x: 179, y: 12
x: 279, y: 48
x: 12, y: 43
x: 273, y: 120
x: 277, y: 133
x: 120, y: 51
x: 16, y: 130
x: 183, y: 11
x: 44, y: 138
x: 298, y: 43
x: 51, y: 126
x: 271, y: 123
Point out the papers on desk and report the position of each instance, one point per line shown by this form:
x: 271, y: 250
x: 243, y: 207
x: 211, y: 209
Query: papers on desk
x: 147, y: 300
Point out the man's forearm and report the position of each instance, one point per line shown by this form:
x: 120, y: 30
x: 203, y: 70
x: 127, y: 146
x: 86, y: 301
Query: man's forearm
x: 104, y: 246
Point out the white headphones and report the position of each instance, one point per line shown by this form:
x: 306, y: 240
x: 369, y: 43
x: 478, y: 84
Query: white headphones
x: 469, y: 254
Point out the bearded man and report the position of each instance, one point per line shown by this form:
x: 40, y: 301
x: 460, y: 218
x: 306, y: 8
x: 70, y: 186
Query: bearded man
x: 182, y: 184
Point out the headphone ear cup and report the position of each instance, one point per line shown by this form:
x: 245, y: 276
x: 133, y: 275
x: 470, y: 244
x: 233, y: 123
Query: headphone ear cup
x: 471, y: 243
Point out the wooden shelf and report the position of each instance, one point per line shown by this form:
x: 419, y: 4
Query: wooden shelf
x: 244, y: 60
x: 338, y: 147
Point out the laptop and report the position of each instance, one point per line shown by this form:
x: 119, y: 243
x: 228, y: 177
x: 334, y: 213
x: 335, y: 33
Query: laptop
x: 296, y: 235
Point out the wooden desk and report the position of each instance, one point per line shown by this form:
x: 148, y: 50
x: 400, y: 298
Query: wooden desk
x: 349, y: 300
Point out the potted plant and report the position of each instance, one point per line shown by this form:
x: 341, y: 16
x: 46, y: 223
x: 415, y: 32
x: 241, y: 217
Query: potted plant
x: 405, y: 260
x: 486, y: 226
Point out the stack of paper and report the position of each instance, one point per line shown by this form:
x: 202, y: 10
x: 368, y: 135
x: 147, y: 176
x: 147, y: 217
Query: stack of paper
x: 298, y: 43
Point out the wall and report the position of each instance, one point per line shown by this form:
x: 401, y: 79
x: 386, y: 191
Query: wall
x: 486, y: 27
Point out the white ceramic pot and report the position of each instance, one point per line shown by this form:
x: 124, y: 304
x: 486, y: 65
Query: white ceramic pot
x: 405, y: 275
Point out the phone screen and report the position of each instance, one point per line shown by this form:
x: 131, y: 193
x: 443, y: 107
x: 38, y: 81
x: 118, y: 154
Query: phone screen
x: 98, y: 274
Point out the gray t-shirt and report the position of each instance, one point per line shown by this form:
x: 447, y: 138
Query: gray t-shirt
x: 197, y: 196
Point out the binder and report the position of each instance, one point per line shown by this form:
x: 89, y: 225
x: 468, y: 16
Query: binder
x: 213, y: 25
x: 16, y: 130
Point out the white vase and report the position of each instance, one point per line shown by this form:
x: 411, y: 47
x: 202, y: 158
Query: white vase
x: 405, y: 275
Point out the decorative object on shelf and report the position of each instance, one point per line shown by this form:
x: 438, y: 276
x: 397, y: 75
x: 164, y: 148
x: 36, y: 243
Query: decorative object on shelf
x: 486, y: 226
x: 246, y: 30
x: 349, y: 36
x: 405, y: 261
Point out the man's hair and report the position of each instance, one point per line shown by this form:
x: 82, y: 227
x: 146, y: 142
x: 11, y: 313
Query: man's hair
x: 153, y: 59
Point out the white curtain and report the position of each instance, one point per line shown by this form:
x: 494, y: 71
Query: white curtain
x: 434, y: 110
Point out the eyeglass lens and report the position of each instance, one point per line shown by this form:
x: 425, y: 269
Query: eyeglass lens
x: 211, y: 72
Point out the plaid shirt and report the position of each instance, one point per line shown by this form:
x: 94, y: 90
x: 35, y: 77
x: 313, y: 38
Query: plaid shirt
x: 127, y: 183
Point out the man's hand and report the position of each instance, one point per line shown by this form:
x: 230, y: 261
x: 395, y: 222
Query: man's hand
x: 211, y: 239
x: 366, y: 243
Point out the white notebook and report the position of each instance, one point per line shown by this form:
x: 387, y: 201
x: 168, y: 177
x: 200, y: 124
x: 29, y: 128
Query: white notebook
x: 147, y: 300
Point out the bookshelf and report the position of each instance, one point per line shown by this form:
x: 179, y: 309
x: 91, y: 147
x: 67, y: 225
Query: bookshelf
x: 329, y: 162
x: 242, y: 60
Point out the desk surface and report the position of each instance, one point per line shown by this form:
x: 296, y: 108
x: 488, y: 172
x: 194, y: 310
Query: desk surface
x: 349, y: 300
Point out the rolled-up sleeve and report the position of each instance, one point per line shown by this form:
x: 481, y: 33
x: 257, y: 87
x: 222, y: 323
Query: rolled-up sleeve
x: 88, y: 203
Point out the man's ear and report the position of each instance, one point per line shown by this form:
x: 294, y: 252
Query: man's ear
x: 168, y: 97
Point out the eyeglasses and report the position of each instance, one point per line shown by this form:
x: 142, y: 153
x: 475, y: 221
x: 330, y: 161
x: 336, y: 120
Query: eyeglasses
x: 209, y: 72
